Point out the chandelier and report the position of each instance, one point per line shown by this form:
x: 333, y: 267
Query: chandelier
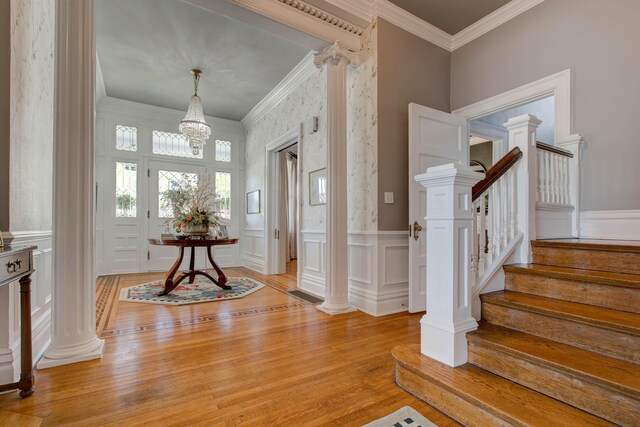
x: 193, y: 126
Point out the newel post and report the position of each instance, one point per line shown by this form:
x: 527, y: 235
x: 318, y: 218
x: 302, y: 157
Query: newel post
x: 449, y: 224
x: 574, y: 144
x: 522, y: 134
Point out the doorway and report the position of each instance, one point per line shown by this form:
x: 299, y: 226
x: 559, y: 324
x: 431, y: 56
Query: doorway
x: 288, y: 210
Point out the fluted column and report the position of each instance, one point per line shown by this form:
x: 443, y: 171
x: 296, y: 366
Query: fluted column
x: 336, y: 59
x: 73, y: 337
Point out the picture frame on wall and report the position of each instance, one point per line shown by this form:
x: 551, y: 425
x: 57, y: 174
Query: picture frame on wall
x: 253, y: 202
x: 318, y: 187
x: 222, y: 232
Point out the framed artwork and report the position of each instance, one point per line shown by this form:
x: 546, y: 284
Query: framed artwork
x: 222, y: 232
x: 253, y: 202
x: 318, y: 187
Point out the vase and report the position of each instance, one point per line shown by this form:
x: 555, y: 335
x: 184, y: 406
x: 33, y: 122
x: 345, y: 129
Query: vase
x: 196, y: 229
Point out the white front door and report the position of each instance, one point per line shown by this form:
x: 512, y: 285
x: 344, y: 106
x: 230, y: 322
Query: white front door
x: 435, y: 138
x: 163, y: 175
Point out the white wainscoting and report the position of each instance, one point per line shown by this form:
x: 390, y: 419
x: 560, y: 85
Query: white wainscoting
x: 312, y: 262
x: 40, y: 306
x: 378, y: 269
x: 614, y: 224
x: 554, y: 221
x: 252, y: 249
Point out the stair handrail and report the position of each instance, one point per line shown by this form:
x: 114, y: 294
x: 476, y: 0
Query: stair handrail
x: 495, y: 172
x: 553, y: 149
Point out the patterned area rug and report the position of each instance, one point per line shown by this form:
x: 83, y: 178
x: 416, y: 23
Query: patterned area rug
x: 201, y: 290
x: 403, y: 417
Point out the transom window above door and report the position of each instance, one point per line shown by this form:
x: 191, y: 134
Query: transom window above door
x: 126, y: 138
x: 172, y: 144
x: 223, y: 151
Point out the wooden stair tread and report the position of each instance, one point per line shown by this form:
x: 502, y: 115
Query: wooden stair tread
x: 605, y: 317
x: 591, y: 276
x: 504, y: 399
x: 598, y: 244
x: 619, y: 375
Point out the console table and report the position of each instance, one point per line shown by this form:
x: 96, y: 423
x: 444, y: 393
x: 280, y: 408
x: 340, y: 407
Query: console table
x: 17, y: 264
x: 169, y: 283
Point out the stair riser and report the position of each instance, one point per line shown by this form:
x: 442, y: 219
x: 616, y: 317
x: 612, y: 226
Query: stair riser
x: 589, y: 396
x: 612, y: 343
x: 444, y: 400
x: 609, y: 296
x: 592, y: 259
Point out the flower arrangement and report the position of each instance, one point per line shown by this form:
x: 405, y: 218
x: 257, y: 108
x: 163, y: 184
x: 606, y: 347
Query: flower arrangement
x: 193, y: 205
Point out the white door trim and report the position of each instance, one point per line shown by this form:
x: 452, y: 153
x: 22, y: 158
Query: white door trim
x: 558, y: 84
x: 272, y: 179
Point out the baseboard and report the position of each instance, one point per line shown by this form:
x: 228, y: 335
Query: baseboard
x: 379, y: 305
x: 252, y: 263
x: 618, y: 224
x: 311, y: 284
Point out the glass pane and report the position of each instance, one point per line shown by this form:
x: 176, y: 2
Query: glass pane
x: 172, y: 144
x: 175, y: 182
x: 223, y: 151
x: 223, y: 194
x: 126, y: 138
x: 126, y: 183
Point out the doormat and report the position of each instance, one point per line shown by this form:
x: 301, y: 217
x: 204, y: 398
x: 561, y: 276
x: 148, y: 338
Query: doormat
x: 403, y: 417
x: 305, y: 297
x: 197, y: 292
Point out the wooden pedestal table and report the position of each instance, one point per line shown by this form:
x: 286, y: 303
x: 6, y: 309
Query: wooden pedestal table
x: 170, y: 283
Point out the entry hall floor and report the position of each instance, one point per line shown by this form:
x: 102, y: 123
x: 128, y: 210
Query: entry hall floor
x: 264, y: 360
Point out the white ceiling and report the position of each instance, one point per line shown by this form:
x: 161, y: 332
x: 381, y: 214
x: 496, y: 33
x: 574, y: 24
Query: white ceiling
x: 147, y: 47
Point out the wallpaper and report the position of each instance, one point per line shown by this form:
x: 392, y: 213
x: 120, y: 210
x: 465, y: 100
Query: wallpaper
x: 307, y: 100
x: 32, y: 85
x: 362, y: 127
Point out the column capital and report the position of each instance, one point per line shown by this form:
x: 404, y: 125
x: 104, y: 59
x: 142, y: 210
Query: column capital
x: 335, y: 53
x: 523, y: 120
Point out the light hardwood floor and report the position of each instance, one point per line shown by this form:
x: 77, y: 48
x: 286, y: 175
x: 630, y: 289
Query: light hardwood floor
x: 264, y: 360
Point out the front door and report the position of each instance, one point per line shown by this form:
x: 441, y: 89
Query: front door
x: 163, y: 175
x: 435, y: 138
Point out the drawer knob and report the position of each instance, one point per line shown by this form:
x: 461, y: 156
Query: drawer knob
x: 14, y: 266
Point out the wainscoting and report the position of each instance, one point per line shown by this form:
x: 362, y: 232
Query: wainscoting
x: 252, y: 249
x: 40, y: 306
x: 378, y: 269
x: 622, y: 224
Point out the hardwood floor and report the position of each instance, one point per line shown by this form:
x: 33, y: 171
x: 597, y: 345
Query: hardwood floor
x: 265, y: 360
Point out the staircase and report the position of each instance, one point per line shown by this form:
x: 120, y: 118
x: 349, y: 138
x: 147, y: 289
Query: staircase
x: 559, y: 346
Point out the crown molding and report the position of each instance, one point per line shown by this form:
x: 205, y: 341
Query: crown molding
x: 304, y: 17
x: 370, y: 9
x: 288, y: 84
x: 491, y: 21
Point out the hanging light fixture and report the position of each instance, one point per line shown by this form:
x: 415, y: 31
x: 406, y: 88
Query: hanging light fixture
x: 193, y: 126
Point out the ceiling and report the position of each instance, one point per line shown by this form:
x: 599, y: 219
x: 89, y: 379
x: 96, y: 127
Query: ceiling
x: 147, y: 47
x: 451, y: 16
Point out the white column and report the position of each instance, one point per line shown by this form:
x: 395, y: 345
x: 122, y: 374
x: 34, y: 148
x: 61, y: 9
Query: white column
x: 574, y: 144
x: 73, y: 300
x: 522, y: 134
x: 449, y: 224
x: 337, y: 59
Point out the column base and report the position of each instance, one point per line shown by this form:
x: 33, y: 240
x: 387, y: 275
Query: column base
x: 445, y: 342
x: 335, y: 309
x: 72, y: 354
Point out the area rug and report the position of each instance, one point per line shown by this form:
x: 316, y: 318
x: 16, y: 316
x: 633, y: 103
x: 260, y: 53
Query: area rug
x: 200, y: 291
x: 403, y: 417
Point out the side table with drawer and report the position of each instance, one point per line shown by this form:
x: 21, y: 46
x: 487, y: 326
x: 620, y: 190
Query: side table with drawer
x: 16, y: 263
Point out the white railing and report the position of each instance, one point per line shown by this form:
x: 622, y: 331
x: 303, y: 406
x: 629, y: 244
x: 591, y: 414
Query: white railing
x: 495, y: 227
x: 553, y: 186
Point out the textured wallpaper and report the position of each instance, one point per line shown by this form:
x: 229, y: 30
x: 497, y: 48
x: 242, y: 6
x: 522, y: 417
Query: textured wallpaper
x: 308, y: 100
x: 32, y: 85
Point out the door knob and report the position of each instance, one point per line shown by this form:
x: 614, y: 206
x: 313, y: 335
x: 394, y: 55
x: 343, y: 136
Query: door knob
x: 417, y: 228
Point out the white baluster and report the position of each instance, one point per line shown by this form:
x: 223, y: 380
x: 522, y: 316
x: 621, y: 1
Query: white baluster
x: 512, y: 203
x: 475, y: 242
x: 483, y: 232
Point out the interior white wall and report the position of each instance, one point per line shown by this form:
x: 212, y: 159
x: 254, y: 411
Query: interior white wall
x: 146, y: 118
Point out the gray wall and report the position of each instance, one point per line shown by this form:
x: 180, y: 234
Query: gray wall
x: 410, y: 69
x: 482, y: 153
x: 599, y: 41
x: 5, y: 54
